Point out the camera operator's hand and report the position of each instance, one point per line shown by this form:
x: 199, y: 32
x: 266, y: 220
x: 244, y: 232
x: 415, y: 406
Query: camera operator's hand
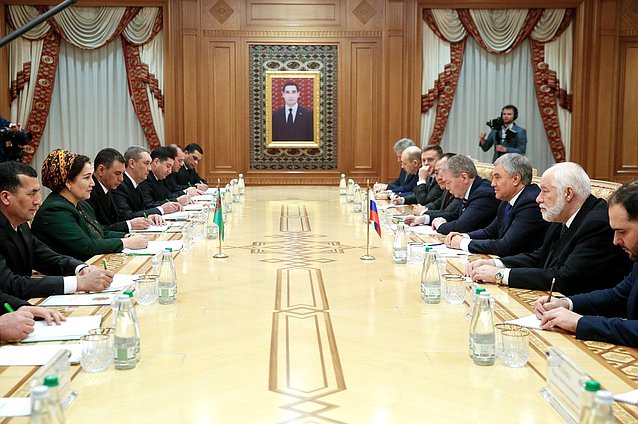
x: 15, y: 127
x: 500, y: 148
x: 482, y: 137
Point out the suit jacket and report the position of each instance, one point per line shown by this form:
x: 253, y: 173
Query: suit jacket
x: 582, y: 260
x: 445, y: 203
x: 104, y: 207
x: 129, y: 203
x: 424, y: 193
x: 479, y: 210
x: 300, y: 130
x: 73, y: 231
x: 22, y: 253
x: 604, y: 312
x: 187, y: 177
x: 173, y: 184
x: 515, y: 141
x: 523, y: 231
x: 155, y: 192
x: 404, y: 184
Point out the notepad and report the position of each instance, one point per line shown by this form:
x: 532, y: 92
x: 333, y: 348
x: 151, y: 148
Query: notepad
x: 424, y: 230
x: 629, y: 397
x: 442, y: 250
x: 530, y: 321
x: 71, y: 329
x: 121, y: 281
x: 155, y: 246
x: 39, y: 354
x: 89, y: 299
x: 176, y: 216
x: 203, y: 198
x: 15, y: 407
x: 195, y: 207
x: 152, y: 229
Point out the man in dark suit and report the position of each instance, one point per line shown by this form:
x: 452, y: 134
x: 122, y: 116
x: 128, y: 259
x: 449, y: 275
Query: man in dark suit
x: 519, y: 226
x: 508, y: 138
x: 21, y: 252
x: 426, y: 190
x: 608, y: 315
x: 154, y: 190
x: 478, y: 207
x: 446, y: 202
x: 187, y: 175
x: 292, y: 122
x: 577, y: 250
x: 405, y: 183
x: 108, y: 175
x: 128, y: 197
x: 174, y: 187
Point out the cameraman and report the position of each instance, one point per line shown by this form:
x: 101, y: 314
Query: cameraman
x: 12, y: 140
x: 506, y: 136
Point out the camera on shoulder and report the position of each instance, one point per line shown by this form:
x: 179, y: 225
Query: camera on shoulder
x: 495, y: 124
x: 12, y: 142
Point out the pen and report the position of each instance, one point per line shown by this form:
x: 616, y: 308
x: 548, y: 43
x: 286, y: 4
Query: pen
x: 551, y: 289
x: 8, y: 307
x: 104, y: 263
x: 145, y: 216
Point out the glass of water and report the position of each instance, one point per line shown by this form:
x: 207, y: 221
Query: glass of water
x: 515, y: 351
x: 146, y: 289
x: 454, y: 290
x: 96, y: 352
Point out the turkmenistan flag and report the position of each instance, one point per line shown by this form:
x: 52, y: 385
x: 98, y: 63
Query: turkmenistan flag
x: 218, y: 218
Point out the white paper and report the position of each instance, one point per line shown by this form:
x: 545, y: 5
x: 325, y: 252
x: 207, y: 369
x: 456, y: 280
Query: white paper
x: 15, y: 407
x: 176, y: 216
x: 629, y: 397
x: 530, y: 321
x: 38, y: 354
x: 155, y: 246
x: 121, y: 281
x: 446, y: 251
x: 389, y: 205
x: 424, y: 230
x: 79, y: 299
x: 213, y: 190
x: 203, y: 198
x: 152, y: 229
x: 195, y: 207
x: 71, y: 329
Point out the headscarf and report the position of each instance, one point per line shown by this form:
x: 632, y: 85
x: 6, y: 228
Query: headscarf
x: 55, y: 169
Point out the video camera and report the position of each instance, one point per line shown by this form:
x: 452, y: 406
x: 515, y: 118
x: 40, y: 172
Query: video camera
x: 12, y: 142
x: 495, y: 124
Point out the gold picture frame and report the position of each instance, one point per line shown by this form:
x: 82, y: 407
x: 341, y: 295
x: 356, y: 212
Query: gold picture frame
x: 298, y: 130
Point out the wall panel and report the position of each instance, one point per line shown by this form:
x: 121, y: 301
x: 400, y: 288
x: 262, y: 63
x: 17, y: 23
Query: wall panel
x: 626, y: 164
x: 362, y: 107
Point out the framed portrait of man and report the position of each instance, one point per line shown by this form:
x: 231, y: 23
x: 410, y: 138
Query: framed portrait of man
x: 292, y: 109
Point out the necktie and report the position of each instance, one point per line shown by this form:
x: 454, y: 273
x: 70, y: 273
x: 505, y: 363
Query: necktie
x: 448, y: 199
x: 463, y: 205
x: 563, y: 230
x: 508, y: 209
x: 289, y: 117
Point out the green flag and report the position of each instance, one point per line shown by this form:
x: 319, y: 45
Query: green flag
x: 218, y: 218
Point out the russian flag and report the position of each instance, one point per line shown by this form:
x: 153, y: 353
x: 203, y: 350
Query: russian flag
x: 374, y: 215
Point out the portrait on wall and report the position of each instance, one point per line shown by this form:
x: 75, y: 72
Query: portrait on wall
x: 292, y: 109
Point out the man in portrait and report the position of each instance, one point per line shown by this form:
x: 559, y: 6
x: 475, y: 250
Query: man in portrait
x: 292, y: 122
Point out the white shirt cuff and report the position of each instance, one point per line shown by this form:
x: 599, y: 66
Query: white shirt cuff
x: 465, y: 244
x: 128, y: 225
x: 506, y: 275
x: 70, y: 284
x: 571, y: 304
x: 427, y: 219
x: 498, y: 263
x: 420, y: 182
x: 161, y: 210
x: 80, y: 268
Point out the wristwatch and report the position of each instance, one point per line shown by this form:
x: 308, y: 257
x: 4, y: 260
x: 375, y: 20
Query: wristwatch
x: 498, y: 277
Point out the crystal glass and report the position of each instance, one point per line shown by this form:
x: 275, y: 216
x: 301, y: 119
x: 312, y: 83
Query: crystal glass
x: 146, y: 289
x: 454, y: 288
x: 107, y: 331
x: 96, y: 352
x: 416, y: 252
x: 515, y: 352
x: 498, y: 329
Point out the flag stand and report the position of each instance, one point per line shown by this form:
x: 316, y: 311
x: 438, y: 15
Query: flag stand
x: 220, y: 254
x: 367, y: 256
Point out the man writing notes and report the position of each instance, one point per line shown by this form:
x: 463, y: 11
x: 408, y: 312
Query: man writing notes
x: 292, y: 122
x: 608, y: 315
x: 518, y: 226
x: 577, y: 249
x: 506, y: 136
x: 21, y: 252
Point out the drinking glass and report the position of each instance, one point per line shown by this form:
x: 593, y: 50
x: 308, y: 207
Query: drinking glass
x: 416, y: 252
x: 454, y: 290
x: 146, y: 289
x: 515, y: 347
x: 498, y: 330
x: 96, y: 352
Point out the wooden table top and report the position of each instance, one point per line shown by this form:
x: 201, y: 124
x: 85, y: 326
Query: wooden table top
x: 294, y: 328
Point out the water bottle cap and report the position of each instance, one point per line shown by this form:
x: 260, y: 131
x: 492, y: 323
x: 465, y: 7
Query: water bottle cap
x: 169, y: 249
x: 343, y: 175
x: 480, y: 290
x: 129, y: 293
x: 604, y: 397
x: 51, y: 381
x: 241, y: 175
x: 592, y: 386
x: 40, y: 392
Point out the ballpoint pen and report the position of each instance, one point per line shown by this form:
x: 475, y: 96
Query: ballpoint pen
x: 551, y: 289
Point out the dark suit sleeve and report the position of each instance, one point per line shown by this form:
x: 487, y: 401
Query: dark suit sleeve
x: 603, y: 311
x: 407, y: 186
x: 523, y: 230
x: 426, y: 193
x: 147, y: 195
x: 25, y: 287
x: 478, y: 212
x: 456, y: 203
x: 489, y: 141
x: 521, y: 142
x: 124, y: 209
x: 13, y: 301
x: 588, y: 252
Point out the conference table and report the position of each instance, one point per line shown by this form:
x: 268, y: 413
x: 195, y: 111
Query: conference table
x: 293, y: 327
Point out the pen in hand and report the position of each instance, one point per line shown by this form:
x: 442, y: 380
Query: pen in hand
x: 104, y: 264
x: 551, y: 289
x: 8, y: 307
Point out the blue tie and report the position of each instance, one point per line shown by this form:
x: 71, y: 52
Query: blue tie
x: 508, y: 208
